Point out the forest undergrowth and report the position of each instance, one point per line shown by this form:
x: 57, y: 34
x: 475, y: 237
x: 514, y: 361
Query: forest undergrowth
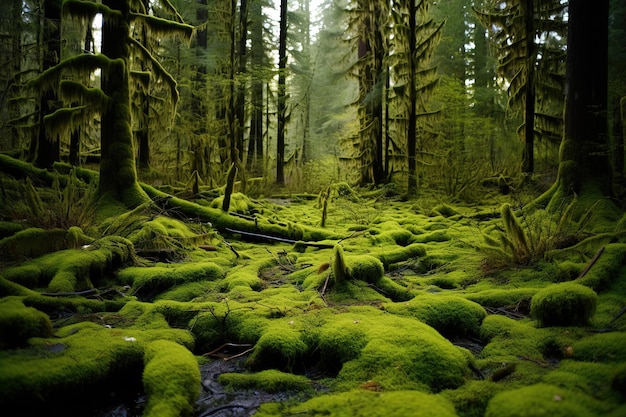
x: 346, y: 302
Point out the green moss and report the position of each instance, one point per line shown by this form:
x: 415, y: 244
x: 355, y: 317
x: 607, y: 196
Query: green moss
x: 593, y: 379
x: 606, y: 269
x: 502, y: 297
x: 77, y: 366
x: 34, y: 242
x: 28, y: 275
x: 171, y: 380
x: 18, y: 323
x: 155, y: 279
x: 564, y: 304
x: 618, y: 379
x: 186, y: 292
x: 538, y: 400
x: 415, y: 250
x: 239, y: 203
x: 280, y: 347
x: 361, y: 403
x: 449, y: 315
x: 507, y: 339
x: 601, y: 347
x: 365, y: 268
x: 270, y: 380
x: 340, y: 269
x: 471, y: 399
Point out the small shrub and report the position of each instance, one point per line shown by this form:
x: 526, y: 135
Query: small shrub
x: 564, y: 304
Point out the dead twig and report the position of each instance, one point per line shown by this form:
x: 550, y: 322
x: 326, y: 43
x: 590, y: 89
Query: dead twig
x: 591, y: 262
x: 216, y: 352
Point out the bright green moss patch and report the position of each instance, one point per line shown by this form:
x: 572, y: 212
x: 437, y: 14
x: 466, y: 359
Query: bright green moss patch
x: 471, y: 399
x: 35, y: 242
x: 388, y: 257
x: 540, y: 400
x: 450, y: 315
x: 18, y: 323
x: 361, y: 403
x: 84, y: 360
x: 564, y: 304
x: 606, y: 269
x: 270, y: 380
x: 593, y: 379
x: 171, y: 380
x: 150, y: 280
x: 502, y: 297
x: 280, y: 347
x: 601, y: 347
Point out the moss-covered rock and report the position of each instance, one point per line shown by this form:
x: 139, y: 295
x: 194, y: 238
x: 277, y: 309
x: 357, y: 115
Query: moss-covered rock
x: 362, y: 403
x: 539, y: 400
x: 171, y: 380
x: 564, y: 304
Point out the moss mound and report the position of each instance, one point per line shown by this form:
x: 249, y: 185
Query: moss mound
x: 601, y: 347
x: 18, y: 323
x: 171, y: 379
x: 361, y: 403
x: 540, y: 400
x: 270, y: 380
x: 564, y: 304
x: 449, y: 315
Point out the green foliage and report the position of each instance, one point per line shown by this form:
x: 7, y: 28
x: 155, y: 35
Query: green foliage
x: 69, y: 202
x: 18, y: 323
x: 361, y: 403
x: 539, y: 400
x: 534, y: 235
x: 171, y: 379
x: 270, y: 380
x: 564, y: 304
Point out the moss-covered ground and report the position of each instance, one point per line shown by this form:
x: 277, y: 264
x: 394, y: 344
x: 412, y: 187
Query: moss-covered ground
x: 393, y: 308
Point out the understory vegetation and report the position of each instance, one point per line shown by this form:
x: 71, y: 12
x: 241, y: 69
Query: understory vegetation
x: 352, y: 302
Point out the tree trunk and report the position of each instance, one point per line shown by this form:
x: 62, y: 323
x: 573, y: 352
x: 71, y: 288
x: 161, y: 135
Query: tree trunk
x: 241, y: 58
x: 257, y: 52
x: 118, y: 175
x: 282, y: 94
x: 528, y: 159
x: 584, y: 155
x: 412, y: 115
x: 48, y: 148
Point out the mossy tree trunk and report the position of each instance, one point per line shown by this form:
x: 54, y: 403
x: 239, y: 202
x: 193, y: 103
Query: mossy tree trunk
x: 282, y: 95
x: 118, y: 175
x: 47, y: 147
x: 584, y: 156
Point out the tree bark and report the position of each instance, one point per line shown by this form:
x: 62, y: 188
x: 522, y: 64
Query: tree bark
x: 118, y: 174
x: 584, y: 154
x: 282, y: 94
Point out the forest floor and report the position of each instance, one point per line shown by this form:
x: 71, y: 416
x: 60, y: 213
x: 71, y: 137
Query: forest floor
x: 394, y: 308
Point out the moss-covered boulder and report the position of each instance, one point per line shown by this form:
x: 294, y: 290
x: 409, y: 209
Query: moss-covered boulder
x: 18, y: 323
x: 363, y: 403
x: 539, y: 400
x: 171, y: 379
x: 564, y: 304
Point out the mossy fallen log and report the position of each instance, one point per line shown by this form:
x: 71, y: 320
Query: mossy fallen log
x: 222, y: 221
